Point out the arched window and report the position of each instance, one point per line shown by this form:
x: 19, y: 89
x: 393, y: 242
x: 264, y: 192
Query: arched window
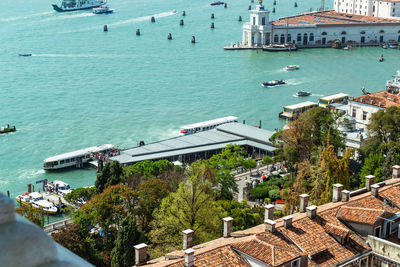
x: 311, y: 37
x: 282, y: 40
x: 276, y: 38
x: 289, y: 38
x: 299, y: 37
x: 343, y: 33
x: 362, y: 32
x: 381, y: 31
x: 324, y: 33
x: 305, y: 38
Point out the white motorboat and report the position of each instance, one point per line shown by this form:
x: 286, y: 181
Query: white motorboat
x: 103, y: 9
x: 59, y: 187
x: 75, y: 158
x: 292, y: 67
x: 36, y: 201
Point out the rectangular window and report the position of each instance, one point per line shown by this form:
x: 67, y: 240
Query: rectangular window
x: 263, y: 21
x: 378, y: 231
x: 61, y: 161
x: 354, y: 112
x: 364, y: 115
x: 296, y: 263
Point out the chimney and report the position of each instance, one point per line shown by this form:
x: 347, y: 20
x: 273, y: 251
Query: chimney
x: 312, y: 212
x: 369, y: 180
x: 396, y: 171
x: 140, y: 254
x: 303, y: 202
x: 189, y: 257
x: 375, y: 190
x: 269, y: 212
x: 337, y: 192
x: 227, y: 226
x: 187, y: 238
x: 287, y: 221
x: 345, y: 195
x: 270, y: 225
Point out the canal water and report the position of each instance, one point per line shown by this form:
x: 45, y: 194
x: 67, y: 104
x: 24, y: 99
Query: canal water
x: 85, y: 87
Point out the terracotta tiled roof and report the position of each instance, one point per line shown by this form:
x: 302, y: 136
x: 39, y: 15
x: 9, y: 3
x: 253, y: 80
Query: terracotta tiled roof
x: 224, y: 256
x: 330, y: 17
x: 336, y: 230
x: 359, y: 215
x: 382, y: 99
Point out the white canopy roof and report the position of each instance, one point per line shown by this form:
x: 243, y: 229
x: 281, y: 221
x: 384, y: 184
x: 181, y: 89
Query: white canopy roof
x: 79, y: 153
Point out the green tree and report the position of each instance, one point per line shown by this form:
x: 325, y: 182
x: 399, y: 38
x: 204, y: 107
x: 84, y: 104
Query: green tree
x: 149, y: 196
x: 123, y: 253
x: 231, y: 157
x: 32, y: 214
x: 249, y: 164
x: 111, y: 175
x: 193, y: 207
x: 385, y: 125
x: 372, y: 165
x: 243, y: 216
x: 80, y: 195
x: 391, y: 159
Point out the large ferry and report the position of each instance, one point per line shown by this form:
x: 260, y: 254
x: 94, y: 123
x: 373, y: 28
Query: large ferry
x: 75, y: 158
x: 206, y: 125
x: 72, y: 5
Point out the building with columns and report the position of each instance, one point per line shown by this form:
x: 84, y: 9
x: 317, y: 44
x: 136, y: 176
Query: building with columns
x: 318, y: 29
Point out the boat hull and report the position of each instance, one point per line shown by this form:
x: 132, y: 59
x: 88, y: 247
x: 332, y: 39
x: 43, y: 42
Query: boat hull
x: 272, y: 49
x: 59, y: 9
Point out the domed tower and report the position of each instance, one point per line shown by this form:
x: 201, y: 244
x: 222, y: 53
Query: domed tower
x: 259, y: 16
x: 257, y: 32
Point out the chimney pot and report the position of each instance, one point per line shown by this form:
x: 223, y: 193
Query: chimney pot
x: 270, y: 225
x: 187, y: 238
x: 337, y: 192
x: 396, y: 171
x: 269, y: 212
x: 312, y: 212
x: 375, y: 190
x: 304, y: 202
x: 287, y: 221
x: 228, y: 221
x: 140, y: 254
x: 189, y: 257
x: 369, y: 180
x: 345, y: 195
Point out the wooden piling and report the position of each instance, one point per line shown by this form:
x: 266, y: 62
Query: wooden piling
x: 105, y: 28
x: 29, y: 188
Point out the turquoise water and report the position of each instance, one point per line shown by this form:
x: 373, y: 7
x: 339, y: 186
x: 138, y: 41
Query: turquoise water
x: 85, y: 87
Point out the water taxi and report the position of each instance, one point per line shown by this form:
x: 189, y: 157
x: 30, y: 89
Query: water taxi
x: 59, y: 187
x: 75, y: 158
x: 36, y: 201
x: 302, y: 93
x: 103, y: 9
x: 291, y: 67
x: 217, y: 3
x: 292, y: 112
x: 205, y: 125
x: 330, y: 99
x: 273, y: 83
x: 25, y: 55
x: 73, y: 5
x: 7, y: 129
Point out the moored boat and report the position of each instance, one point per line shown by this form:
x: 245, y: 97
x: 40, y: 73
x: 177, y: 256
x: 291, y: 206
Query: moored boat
x: 292, y: 67
x: 303, y: 93
x: 216, y: 3
x: 205, y: 125
x: 103, y: 9
x: 73, y: 5
x: 273, y: 83
x: 7, y: 129
x: 280, y: 47
x: 36, y: 201
x: 75, y: 158
x: 59, y: 187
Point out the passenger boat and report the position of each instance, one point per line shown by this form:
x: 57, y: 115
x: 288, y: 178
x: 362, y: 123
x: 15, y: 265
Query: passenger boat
x: 273, y: 83
x: 279, y: 47
x: 25, y: 55
x: 36, y: 201
x: 59, y: 187
x: 292, y: 67
x: 75, y: 158
x: 73, y: 5
x: 216, y: 3
x: 7, y: 129
x: 103, y: 9
x: 303, y: 93
x: 205, y: 125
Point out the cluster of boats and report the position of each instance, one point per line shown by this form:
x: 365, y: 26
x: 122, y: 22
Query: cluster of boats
x: 48, y: 202
x: 7, y: 129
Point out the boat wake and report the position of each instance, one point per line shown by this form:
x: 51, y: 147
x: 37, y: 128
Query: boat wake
x: 144, y: 18
x: 30, y: 173
x: 68, y: 16
x: 26, y: 17
x: 293, y: 82
x: 78, y: 55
